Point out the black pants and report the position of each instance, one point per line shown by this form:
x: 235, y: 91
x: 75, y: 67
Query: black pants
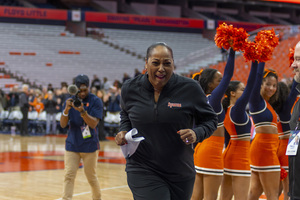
x: 24, y: 122
x: 146, y: 185
x: 101, y: 131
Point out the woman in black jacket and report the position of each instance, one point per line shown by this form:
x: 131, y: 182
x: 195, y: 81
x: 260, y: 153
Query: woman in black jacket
x: 171, y: 112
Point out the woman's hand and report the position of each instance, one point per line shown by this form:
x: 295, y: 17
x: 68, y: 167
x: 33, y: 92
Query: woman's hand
x: 188, y: 136
x: 120, y: 138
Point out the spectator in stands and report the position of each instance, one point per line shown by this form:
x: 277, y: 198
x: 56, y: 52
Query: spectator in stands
x: 171, y: 112
x: 101, y: 130
x: 38, y: 104
x: 13, y: 98
x: 31, y: 95
x: 96, y: 82
x: 59, y: 105
x: 113, y: 109
x: 114, y: 100
x: 106, y: 84
x: 136, y: 72
x: 104, y: 97
x: 44, y: 93
x: 3, y: 101
x: 64, y: 93
x: 57, y: 96
x: 64, y: 84
x: 24, y: 105
x: 117, y: 84
x: 94, y: 90
x: 59, y: 108
x: 50, y: 87
x: 82, y: 141
x: 51, y: 109
x: 125, y: 77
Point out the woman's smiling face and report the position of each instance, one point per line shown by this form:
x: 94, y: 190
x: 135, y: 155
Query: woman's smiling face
x: 160, y: 66
x: 268, y: 87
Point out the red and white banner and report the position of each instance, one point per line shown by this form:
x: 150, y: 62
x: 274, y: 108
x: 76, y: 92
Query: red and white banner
x: 143, y: 20
x: 33, y: 13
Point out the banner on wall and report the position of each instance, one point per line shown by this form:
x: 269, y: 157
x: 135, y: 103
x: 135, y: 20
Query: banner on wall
x: 32, y: 13
x: 143, y: 20
x: 76, y: 15
x: 62, y: 15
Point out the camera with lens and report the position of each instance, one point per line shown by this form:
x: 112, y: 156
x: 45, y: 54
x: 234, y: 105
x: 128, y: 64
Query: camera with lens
x: 73, y: 90
x: 76, y: 101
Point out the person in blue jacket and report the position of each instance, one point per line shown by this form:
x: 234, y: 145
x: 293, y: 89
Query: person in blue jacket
x: 171, y: 112
x: 82, y: 141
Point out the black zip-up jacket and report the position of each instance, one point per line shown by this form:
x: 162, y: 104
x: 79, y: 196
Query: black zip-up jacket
x: 182, y: 104
x: 294, y: 161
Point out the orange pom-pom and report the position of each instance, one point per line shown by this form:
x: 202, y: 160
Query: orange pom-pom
x: 291, y: 56
x: 267, y: 37
x: 227, y: 36
x: 283, y: 174
x: 263, y: 46
x: 252, y: 51
x: 266, y: 53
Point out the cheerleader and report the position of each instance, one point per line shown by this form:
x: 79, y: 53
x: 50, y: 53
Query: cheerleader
x: 265, y: 166
x: 236, y: 178
x: 208, y: 154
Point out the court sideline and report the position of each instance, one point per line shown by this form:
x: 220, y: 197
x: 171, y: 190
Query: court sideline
x: 31, y: 168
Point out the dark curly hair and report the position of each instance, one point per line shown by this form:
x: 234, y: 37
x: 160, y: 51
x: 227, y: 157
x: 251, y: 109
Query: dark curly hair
x: 283, y: 93
x: 206, y: 77
x: 232, y: 87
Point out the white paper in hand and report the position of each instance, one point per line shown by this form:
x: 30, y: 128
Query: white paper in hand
x: 132, y: 143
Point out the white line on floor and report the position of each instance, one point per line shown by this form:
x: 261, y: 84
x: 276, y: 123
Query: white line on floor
x: 111, y: 188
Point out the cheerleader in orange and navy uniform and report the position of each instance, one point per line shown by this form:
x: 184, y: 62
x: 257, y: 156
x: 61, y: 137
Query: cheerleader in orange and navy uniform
x: 264, y: 163
x: 236, y: 178
x: 208, y: 154
x: 283, y: 108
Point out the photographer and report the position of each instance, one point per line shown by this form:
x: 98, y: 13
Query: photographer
x: 82, y: 141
